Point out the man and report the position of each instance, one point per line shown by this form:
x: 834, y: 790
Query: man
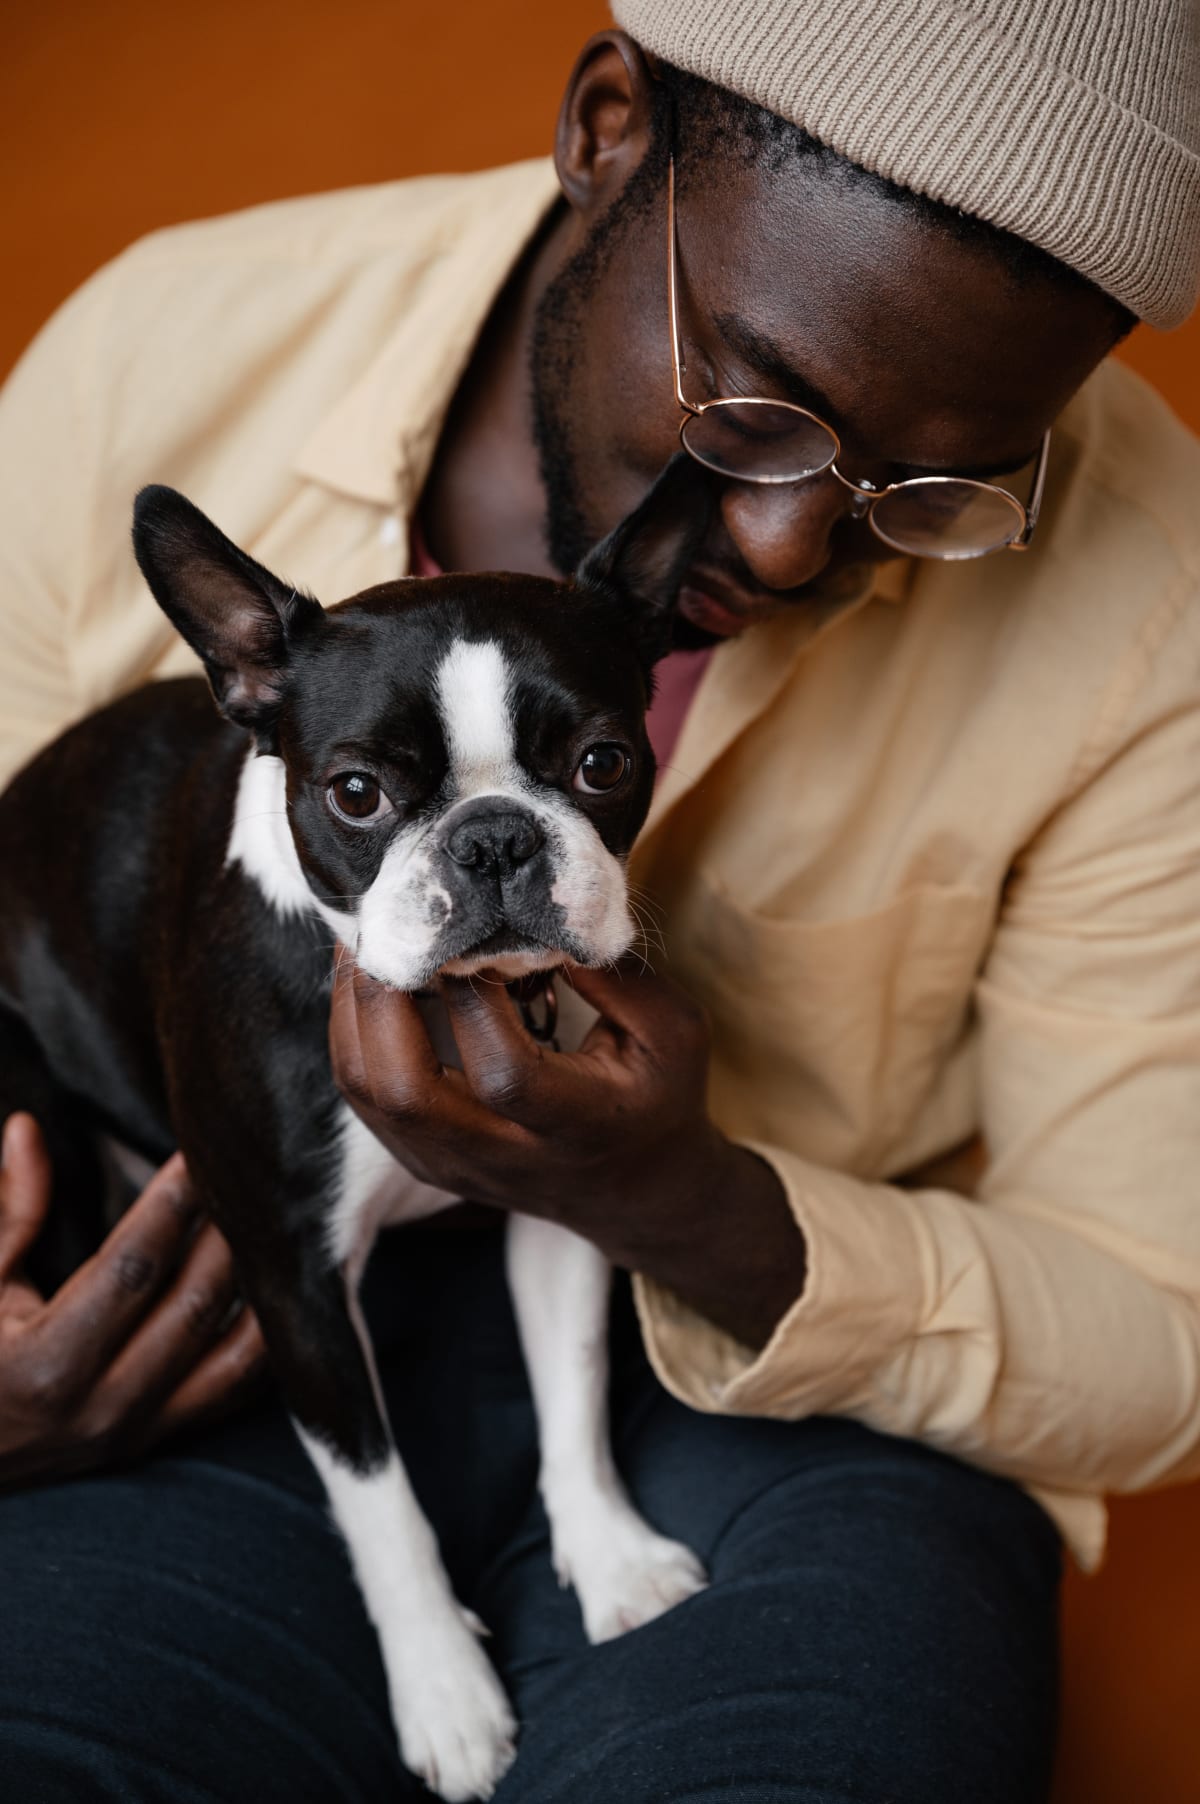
x: 927, y: 852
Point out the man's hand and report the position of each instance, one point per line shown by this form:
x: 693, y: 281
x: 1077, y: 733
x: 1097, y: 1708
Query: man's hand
x: 613, y: 1141
x: 136, y: 1343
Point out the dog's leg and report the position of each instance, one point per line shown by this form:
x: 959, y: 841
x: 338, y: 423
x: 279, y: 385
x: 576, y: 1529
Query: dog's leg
x: 624, y: 1573
x: 452, y: 1717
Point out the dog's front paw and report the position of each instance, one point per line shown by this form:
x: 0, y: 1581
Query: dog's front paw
x: 625, y: 1574
x: 455, y: 1726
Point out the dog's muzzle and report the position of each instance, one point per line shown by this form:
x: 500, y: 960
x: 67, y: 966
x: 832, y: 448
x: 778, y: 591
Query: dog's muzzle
x: 498, y: 862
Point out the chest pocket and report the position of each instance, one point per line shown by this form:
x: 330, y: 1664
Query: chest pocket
x: 836, y: 1038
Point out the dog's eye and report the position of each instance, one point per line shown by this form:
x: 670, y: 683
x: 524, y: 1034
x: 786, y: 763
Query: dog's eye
x: 601, y: 768
x: 355, y: 795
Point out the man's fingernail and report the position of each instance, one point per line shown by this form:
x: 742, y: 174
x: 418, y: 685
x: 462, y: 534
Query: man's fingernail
x: 8, y: 1136
x: 182, y: 1199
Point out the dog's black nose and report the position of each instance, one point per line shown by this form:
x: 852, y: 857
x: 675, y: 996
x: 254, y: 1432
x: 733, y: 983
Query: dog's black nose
x: 495, y: 841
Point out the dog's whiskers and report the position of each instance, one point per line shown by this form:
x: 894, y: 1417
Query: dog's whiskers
x: 651, y: 936
x: 643, y: 899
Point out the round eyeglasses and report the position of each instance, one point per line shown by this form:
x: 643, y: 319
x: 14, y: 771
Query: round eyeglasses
x: 753, y: 439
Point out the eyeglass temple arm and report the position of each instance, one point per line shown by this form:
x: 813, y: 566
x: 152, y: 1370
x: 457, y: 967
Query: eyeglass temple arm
x: 673, y: 291
x: 1034, y: 507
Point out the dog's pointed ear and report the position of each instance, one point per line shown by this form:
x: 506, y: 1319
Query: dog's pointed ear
x: 642, y: 561
x: 239, y: 617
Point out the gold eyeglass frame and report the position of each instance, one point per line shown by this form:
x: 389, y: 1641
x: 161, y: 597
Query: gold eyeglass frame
x: 866, y: 495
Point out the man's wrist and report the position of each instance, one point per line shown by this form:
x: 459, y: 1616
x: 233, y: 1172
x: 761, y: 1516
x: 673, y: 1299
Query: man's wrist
x: 740, y: 1257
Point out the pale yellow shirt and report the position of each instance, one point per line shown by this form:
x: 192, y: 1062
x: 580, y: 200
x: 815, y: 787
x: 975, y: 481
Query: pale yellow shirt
x: 934, y: 872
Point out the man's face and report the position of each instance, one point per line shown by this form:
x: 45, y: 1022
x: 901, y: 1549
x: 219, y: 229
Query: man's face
x: 920, y: 350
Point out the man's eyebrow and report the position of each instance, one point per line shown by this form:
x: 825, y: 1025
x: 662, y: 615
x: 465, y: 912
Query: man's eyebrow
x: 767, y: 359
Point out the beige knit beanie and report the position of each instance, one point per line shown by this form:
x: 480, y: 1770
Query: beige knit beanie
x: 1073, y: 123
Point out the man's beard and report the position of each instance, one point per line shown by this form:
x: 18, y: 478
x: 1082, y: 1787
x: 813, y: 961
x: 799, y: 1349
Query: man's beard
x: 559, y: 336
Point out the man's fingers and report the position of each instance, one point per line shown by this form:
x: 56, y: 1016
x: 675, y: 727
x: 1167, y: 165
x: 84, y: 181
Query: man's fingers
x: 232, y: 1373
x: 25, y: 1187
x: 536, y: 1089
x: 374, y: 1032
x: 89, y: 1320
x: 184, y: 1324
x: 501, y: 1060
x: 345, y: 1046
x: 373, y: 1028
x: 386, y: 1066
x: 650, y: 1009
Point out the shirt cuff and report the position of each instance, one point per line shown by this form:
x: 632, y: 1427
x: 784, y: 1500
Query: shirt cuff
x: 869, y: 1291
x: 863, y: 1301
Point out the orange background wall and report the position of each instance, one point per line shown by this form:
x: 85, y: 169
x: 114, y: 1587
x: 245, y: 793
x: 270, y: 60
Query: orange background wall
x: 117, y: 116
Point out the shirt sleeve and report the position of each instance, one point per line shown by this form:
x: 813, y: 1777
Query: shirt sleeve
x: 1048, y: 1327
x: 46, y: 504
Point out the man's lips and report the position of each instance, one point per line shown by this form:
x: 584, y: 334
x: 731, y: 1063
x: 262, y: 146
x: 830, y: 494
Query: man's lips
x: 716, y: 606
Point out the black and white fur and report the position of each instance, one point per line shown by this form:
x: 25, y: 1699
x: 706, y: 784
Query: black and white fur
x: 175, y: 883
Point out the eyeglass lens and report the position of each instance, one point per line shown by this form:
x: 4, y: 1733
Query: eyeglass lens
x: 756, y: 441
x: 947, y: 517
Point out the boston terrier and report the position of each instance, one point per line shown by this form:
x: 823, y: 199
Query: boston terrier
x: 444, y: 775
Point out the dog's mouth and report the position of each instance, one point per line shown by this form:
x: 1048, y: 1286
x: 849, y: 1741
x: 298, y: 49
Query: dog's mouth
x: 508, y: 953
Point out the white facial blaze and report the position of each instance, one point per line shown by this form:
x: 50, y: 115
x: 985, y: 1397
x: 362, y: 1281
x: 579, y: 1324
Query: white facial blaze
x: 407, y: 910
x: 473, y: 684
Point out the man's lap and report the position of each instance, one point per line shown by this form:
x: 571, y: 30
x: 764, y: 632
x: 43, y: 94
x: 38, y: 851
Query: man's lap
x: 880, y: 1623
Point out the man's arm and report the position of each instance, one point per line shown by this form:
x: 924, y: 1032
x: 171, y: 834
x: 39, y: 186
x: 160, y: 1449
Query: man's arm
x: 139, y: 1341
x: 1051, y: 1329
x: 614, y: 1141
x: 46, y: 434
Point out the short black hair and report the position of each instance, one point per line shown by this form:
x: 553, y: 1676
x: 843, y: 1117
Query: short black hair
x: 696, y: 118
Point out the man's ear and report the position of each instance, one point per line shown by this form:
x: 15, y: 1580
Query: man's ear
x: 605, y: 120
x: 237, y: 615
x: 643, y: 560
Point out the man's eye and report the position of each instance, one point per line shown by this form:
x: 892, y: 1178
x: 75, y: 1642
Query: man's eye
x: 601, y: 768
x: 755, y: 422
x: 355, y: 796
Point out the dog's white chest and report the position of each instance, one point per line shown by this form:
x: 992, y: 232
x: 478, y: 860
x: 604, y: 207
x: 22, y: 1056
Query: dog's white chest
x: 375, y: 1192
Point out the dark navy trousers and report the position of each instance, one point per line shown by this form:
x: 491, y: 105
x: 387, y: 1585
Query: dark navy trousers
x: 880, y: 1627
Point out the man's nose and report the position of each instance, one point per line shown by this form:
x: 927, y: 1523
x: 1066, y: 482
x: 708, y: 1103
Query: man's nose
x: 783, y: 530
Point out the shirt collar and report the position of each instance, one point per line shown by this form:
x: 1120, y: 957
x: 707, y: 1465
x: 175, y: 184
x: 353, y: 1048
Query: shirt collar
x: 377, y: 443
